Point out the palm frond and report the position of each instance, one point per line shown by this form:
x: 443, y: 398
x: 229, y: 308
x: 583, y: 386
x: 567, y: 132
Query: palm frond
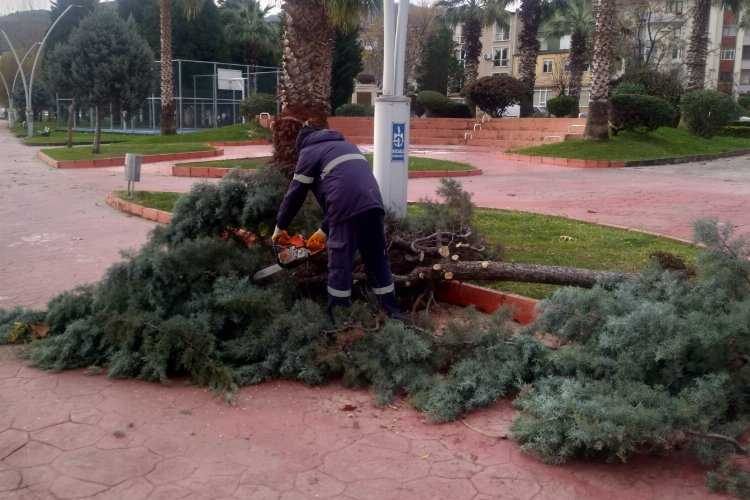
x: 346, y: 14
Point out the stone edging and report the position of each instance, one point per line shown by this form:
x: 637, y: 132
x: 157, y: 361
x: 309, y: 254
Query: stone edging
x: 119, y: 161
x: 249, y: 142
x: 488, y: 300
x: 137, y: 210
x: 185, y: 170
x: 577, y: 163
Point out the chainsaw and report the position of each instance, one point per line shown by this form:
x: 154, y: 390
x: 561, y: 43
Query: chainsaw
x: 290, y: 252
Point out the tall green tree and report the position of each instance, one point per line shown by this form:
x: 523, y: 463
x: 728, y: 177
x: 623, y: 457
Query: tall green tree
x: 347, y: 64
x: 112, y: 64
x: 574, y: 18
x: 473, y: 15
x: 597, y: 123
x: 167, y: 122
x: 438, y: 59
x: 305, y: 90
x: 65, y: 27
x: 250, y: 36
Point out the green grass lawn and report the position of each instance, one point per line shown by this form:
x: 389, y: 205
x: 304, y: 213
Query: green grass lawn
x: 160, y: 200
x: 60, y: 137
x: 536, y: 239
x: 421, y: 164
x: 241, y: 132
x: 662, y: 143
x: 120, y: 148
x: 241, y: 163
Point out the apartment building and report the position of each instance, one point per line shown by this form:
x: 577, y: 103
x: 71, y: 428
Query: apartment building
x: 663, y: 28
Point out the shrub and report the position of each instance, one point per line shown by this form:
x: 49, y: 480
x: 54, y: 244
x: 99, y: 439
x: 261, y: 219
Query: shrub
x: 640, y: 112
x: 706, y: 112
x: 563, y: 105
x: 434, y: 102
x: 493, y: 94
x: 255, y: 104
x: 456, y: 110
x: 734, y: 131
x: 354, y: 110
x: 667, y: 85
x: 366, y: 78
x: 630, y: 88
x: 744, y: 102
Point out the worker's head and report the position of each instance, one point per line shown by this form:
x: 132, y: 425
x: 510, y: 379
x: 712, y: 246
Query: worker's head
x: 307, y: 129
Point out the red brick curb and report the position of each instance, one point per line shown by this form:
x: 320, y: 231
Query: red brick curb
x: 249, y: 142
x: 577, y: 163
x: 561, y: 162
x: 119, y: 161
x: 137, y: 210
x: 219, y: 172
x: 488, y: 300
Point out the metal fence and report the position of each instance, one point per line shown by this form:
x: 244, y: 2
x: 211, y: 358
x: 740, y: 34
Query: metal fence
x: 207, y: 95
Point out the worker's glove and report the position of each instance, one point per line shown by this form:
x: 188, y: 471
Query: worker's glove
x: 317, y: 241
x: 279, y: 234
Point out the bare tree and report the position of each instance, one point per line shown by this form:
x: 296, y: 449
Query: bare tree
x: 651, y: 33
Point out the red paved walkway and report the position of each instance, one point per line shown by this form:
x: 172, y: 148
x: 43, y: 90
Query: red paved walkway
x: 70, y: 435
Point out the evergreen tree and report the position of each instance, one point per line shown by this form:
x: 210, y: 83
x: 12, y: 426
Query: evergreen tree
x: 438, y: 59
x: 65, y: 27
x: 251, y: 38
x: 113, y: 64
x: 347, y: 64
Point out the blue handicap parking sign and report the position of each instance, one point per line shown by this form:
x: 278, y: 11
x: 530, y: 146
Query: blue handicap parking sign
x: 398, y: 142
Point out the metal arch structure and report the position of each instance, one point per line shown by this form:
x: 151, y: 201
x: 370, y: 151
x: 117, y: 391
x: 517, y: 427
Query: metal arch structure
x: 392, y: 111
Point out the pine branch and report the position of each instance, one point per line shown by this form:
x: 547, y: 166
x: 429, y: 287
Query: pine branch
x: 721, y: 437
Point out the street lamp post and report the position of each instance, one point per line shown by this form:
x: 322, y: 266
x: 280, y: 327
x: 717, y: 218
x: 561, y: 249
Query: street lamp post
x: 392, y: 112
x: 11, y: 103
x: 29, y: 86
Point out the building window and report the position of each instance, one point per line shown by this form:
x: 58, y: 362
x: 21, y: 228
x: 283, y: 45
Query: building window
x: 729, y: 30
x: 676, y: 52
x: 725, y: 77
x: 676, y: 7
x: 583, y: 101
x: 547, y: 66
x: 540, y: 97
x: 500, y: 57
x: 727, y: 54
x: 745, y: 52
x: 745, y: 77
x: 502, y: 32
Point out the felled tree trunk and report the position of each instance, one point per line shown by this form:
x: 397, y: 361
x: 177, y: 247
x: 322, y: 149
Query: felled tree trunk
x: 505, y: 271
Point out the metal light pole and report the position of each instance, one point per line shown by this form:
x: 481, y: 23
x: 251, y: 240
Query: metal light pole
x: 392, y: 112
x: 19, y: 63
x: 15, y: 79
x: 10, y: 101
x: 29, y: 109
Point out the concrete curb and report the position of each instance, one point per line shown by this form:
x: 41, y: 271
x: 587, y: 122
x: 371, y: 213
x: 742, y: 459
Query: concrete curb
x: 249, y: 142
x: 119, y: 161
x: 137, y: 210
x: 488, y: 300
x: 219, y: 172
x: 577, y: 163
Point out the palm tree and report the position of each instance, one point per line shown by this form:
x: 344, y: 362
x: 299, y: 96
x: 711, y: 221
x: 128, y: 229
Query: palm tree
x: 473, y: 15
x: 697, y: 51
x: 246, y: 25
x: 575, y: 19
x: 597, y: 125
x: 305, y: 90
x: 531, y: 14
x: 191, y: 7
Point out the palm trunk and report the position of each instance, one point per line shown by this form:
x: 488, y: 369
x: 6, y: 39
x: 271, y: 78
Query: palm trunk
x: 167, y: 76
x: 472, y: 32
x: 305, y: 89
x: 578, y: 53
x: 597, y: 125
x: 71, y: 121
x: 97, y: 130
x: 530, y: 14
x: 698, y: 46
